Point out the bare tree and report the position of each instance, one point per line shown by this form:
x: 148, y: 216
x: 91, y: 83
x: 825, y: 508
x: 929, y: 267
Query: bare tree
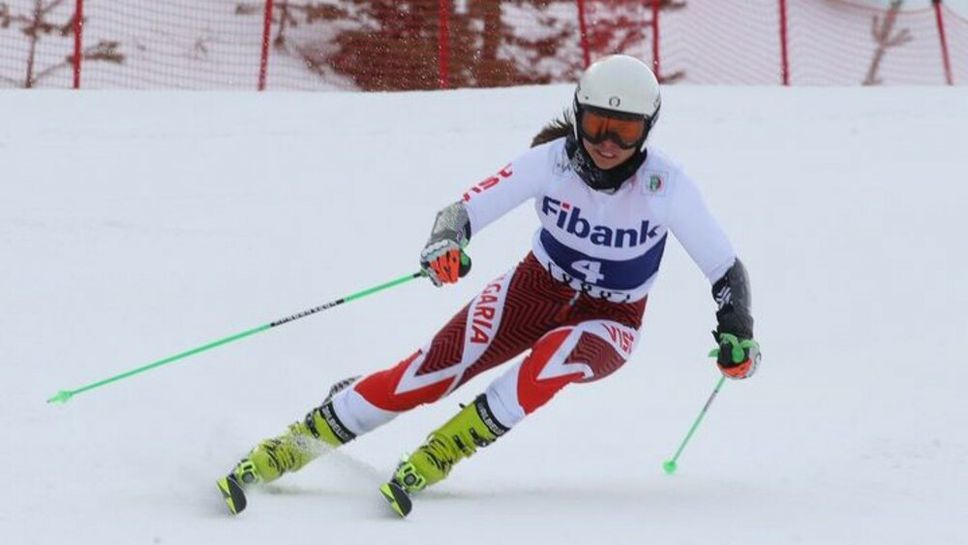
x: 885, y: 38
x: 613, y: 26
x: 394, y: 44
x: 35, y: 26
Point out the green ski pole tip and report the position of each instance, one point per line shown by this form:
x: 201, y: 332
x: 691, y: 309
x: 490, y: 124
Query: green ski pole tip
x: 669, y: 466
x: 61, y: 397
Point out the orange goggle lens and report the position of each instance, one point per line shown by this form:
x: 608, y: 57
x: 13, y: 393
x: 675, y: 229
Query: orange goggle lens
x: 596, y: 128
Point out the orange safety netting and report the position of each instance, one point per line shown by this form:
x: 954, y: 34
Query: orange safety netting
x: 431, y: 44
x: 956, y: 33
x: 715, y: 42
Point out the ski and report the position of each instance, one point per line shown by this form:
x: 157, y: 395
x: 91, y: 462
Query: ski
x: 397, y: 497
x: 232, y: 493
x: 234, y: 496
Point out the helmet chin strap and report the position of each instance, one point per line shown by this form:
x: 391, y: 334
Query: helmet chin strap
x: 599, y: 179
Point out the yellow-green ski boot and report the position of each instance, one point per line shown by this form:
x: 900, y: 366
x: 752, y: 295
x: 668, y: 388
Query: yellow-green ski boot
x: 304, y: 441
x: 473, y: 427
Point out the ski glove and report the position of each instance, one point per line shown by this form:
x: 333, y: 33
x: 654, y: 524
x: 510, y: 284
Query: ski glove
x: 442, y: 258
x: 737, y: 358
x: 737, y: 353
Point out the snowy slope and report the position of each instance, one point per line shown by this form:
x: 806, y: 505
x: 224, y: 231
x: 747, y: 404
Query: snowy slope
x: 137, y: 225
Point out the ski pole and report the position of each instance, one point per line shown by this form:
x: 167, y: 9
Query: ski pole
x: 64, y: 395
x: 670, y: 465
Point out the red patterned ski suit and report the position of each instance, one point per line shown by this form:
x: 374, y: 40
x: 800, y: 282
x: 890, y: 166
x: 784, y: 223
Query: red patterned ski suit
x: 573, y: 337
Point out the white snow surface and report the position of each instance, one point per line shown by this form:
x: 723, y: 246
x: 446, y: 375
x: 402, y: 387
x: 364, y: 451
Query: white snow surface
x: 135, y: 225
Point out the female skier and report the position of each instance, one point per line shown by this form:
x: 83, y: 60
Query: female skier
x: 606, y: 202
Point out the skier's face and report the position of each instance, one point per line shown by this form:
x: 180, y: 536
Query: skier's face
x: 607, y: 154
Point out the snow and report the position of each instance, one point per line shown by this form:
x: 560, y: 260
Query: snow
x: 135, y: 225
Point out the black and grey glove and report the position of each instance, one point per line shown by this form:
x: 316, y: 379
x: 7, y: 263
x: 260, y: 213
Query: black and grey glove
x: 737, y: 354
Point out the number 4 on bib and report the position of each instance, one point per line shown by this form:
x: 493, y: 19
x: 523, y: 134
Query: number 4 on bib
x: 592, y: 270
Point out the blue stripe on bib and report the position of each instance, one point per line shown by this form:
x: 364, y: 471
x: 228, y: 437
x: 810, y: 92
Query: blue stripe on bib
x: 604, y: 273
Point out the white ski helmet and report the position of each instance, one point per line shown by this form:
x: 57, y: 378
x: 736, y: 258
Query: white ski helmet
x: 622, y: 84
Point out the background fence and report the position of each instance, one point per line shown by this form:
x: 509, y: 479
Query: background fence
x: 429, y: 44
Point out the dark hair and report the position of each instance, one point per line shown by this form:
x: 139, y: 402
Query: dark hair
x: 557, y: 128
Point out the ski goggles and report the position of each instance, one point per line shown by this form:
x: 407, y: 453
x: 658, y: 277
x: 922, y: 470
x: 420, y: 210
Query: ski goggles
x: 626, y: 130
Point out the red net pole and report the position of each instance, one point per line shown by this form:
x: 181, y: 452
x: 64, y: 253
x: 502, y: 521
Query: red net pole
x: 78, y: 41
x: 583, y: 31
x: 655, y: 39
x: 784, y: 55
x: 443, y: 44
x: 944, y: 42
x: 266, y: 38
